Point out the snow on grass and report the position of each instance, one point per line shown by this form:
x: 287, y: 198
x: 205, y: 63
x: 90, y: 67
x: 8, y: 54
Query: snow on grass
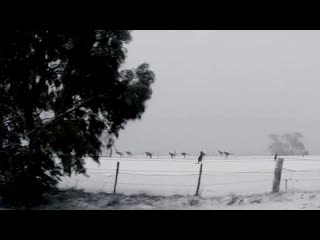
x: 163, y: 183
x: 81, y: 200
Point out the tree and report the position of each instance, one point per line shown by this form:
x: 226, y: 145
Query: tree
x: 287, y: 144
x: 59, y: 92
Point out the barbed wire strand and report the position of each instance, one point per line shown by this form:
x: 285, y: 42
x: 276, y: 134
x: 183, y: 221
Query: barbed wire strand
x: 230, y: 183
x: 157, y: 185
x: 159, y: 175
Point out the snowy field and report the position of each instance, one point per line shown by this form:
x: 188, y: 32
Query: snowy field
x: 237, y: 183
x: 163, y: 176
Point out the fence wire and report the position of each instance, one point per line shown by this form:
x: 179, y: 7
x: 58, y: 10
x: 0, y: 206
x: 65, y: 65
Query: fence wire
x: 135, y: 178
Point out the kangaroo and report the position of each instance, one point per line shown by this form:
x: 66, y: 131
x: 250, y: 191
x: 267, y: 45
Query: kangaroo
x: 202, y: 154
x: 184, y: 154
x: 227, y: 154
x: 149, y: 154
x: 129, y: 154
x: 172, y: 155
x: 120, y: 154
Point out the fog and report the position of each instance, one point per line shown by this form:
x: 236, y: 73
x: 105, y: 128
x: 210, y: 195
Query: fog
x: 226, y: 90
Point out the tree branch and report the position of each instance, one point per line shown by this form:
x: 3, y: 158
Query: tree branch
x: 60, y: 116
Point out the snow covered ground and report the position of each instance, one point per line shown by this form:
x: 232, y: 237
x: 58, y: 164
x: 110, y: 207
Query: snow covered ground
x: 237, y: 183
x: 166, y: 177
x: 80, y: 200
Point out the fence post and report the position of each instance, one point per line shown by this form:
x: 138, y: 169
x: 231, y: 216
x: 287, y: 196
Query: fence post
x: 277, y: 175
x: 116, y: 180
x: 199, y: 180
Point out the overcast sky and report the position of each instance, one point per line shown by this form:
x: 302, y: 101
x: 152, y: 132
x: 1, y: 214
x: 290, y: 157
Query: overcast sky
x: 226, y: 90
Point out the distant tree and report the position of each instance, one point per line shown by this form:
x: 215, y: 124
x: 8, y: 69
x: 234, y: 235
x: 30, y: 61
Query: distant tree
x: 287, y: 144
x: 59, y: 91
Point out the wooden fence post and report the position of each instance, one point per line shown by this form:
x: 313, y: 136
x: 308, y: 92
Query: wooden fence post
x: 199, y: 180
x: 116, y: 180
x: 277, y: 175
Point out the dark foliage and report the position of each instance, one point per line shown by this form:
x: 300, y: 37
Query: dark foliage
x: 59, y: 92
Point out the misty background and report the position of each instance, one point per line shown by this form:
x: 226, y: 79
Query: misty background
x: 226, y: 90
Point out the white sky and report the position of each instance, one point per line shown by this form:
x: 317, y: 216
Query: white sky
x: 226, y: 90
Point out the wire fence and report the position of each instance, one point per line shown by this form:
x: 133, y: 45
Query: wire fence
x: 137, y: 177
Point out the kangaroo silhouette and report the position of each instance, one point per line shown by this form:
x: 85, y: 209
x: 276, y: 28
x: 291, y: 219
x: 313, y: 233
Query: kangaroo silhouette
x: 276, y: 156
x: 172, y: 155
x: 129, y: 154
x: 184, y: 154
x: 200, y: 158
x: 227, y: 154
x: 149, y: 154
x: 119, y: 153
